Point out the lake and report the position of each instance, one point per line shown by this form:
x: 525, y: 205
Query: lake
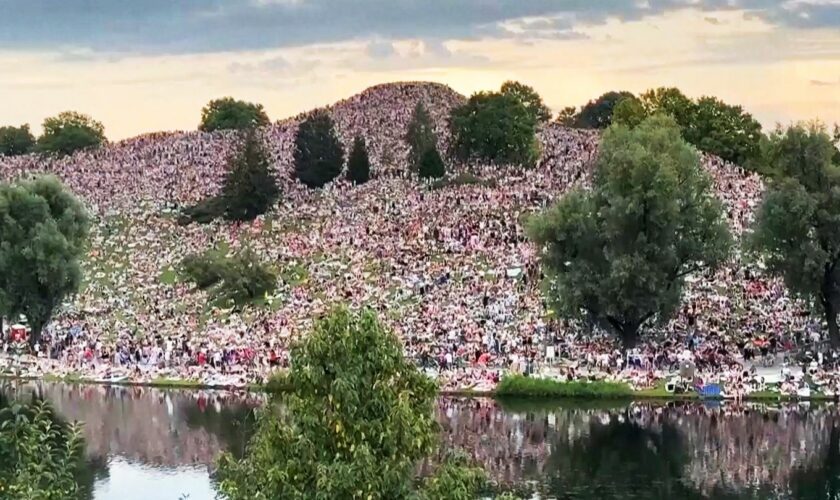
x: 150, y: 443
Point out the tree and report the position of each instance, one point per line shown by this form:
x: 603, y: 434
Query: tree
x: 420, y: 136
x: 355, y: 425
x: 40, y: 456
x: 228, y: 113
x: 431, y: 165
x: 629, y: 112
x: 318, y: 155
x: 797, y: 228
x: 723, y: 130
x: 358, y: 165
x: 620, y: 253
x: 16, y: 141
x: 495, y: 127
x: 566, y: 116
x: 70, y: 132
x: 250, y: 187
x: 232, y: 282
x: 43, y: 234
x: 598, y: 113
x: 669, y: 101
x: 529, y: 98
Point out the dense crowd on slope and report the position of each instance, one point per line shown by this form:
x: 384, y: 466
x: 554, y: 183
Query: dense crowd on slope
x: 449, y: 270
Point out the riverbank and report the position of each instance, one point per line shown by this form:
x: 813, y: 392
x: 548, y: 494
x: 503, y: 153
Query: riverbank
x: 515, y: 387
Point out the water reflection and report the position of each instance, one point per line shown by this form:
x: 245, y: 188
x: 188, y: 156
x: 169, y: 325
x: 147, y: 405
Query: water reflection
x: 143, y: 442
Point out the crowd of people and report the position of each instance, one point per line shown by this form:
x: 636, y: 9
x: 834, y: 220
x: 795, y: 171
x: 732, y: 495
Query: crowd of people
x: 448, y: 269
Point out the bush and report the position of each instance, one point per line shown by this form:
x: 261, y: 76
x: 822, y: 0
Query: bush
x: 496, y: 128
x: 431, y: 165
x: 228, y: 113
x: 231, y: 281
x: 16, y: 141
x: 318, y: 155
x: 529, y: 387
x: 358, y: 165
x: 70, y: 132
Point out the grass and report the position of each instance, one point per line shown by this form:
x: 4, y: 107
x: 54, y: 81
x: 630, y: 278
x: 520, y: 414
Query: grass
x: 174, y: 382
x: 169, y: 277
x: 463, y: 179
x: 519, y: 386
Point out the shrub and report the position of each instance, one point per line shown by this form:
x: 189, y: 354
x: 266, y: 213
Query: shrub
x: 231, y: 281
x: 529, y: 387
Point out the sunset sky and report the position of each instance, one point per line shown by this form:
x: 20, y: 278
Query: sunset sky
x: 147, y: 65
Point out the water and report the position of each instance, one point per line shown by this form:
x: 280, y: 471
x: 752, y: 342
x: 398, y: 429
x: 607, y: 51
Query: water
x: 148, y: 443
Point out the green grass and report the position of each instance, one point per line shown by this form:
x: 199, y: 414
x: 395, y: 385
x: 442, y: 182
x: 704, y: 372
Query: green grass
x: 520, y: 386
x: 173, y: 382
x: 169, y: 277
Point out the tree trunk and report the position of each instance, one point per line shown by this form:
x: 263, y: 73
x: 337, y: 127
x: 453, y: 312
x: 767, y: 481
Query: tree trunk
x: 830, y: 309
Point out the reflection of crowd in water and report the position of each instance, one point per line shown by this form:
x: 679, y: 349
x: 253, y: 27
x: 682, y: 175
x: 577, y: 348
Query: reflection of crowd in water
x: 145, y: 425
x: 730, y: 447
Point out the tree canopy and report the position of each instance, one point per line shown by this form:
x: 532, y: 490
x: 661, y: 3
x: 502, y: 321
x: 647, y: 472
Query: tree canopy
x: 70, y: 132
x: 629, y: 112
x: 619, y: 254
x: 431, y: 165
x: 250, y: 188
x: 43, y: 235
x: 495, y: 127
x: 420, y: 136
x: 529, y: 98
x: 724, y: 130
x: 797, y: 228
x: 16, y: 141
x: 319, y: 156
x: 599, y: 113
x: 228, y: 113
x: 355, y: 425
x: 358, y: 164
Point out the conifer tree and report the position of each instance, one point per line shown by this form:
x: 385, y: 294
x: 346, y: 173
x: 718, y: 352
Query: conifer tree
x: 318, y: 155
x: 431, y: 165
x: 420, y: 136
x: 250, y: 188
x: 358, y: 165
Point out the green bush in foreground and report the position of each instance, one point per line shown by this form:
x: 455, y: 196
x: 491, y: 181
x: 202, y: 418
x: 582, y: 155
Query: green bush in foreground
x: 231, y: 281
x: 529, y: 387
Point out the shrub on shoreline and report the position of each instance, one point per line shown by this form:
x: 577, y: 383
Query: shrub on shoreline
x: 529, y: 387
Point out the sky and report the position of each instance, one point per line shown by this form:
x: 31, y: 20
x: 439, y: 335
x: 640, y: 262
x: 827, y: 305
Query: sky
x: 143, y: 66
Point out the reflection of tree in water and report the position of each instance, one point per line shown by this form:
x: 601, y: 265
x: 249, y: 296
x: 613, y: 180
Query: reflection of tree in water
x: 822, y: 479
x: 91, y: 468
x: 233, y: 424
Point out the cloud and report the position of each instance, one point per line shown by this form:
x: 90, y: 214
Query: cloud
x: 198, y: 26
x: 825, y: 83
x: 380, y: 50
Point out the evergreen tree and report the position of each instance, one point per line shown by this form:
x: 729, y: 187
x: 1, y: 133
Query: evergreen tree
x: 250, y: 188
x: 420, y: 136
x: 318, y: 155
x: 358, y: 165
x: 431, y: 165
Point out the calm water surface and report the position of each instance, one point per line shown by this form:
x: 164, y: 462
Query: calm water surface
x: 149, y: 443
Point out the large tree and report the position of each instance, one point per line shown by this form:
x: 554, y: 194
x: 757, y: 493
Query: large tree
x: 529, y: 98
x: 250, y: 187
x: 16, y: 141
x: 70, y: 132
x: 619, y: 254
x: 495, y: 127
x: 318, y: 154
x: 355, y: 425
x: 43, y: 235
x: 669, y: 101
x: 358, y: 164
x: 629, y: 112
x: 797, y: 228
x: 724, y: 130
x: 599, y: 113
x: 420, y: 136
x: 228, y: 113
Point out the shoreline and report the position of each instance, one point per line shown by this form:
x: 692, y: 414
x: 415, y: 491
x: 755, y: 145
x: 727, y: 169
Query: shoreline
x: 632, y: 395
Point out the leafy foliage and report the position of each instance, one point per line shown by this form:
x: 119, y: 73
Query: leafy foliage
x: 797, y: 228
x: 43, y: 234
x: 249, y: 190
x: 420, y: 136
x: 70, y: 132
x: 431, y: 165
x: 495, y: 127
x: 669, y: 101
x: 40, y: 457
x: 358, y: 164
x: 15, y: 141
x: 566, y: 116
x: 529, y: 98
x: 599, y: 113
x: 228, y: 113
x: 629, y: 112
x: 620, y: 253
x: 319, y: 156
x: 354, y: 426
x: 723, y: 130
x: 233, y: 282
